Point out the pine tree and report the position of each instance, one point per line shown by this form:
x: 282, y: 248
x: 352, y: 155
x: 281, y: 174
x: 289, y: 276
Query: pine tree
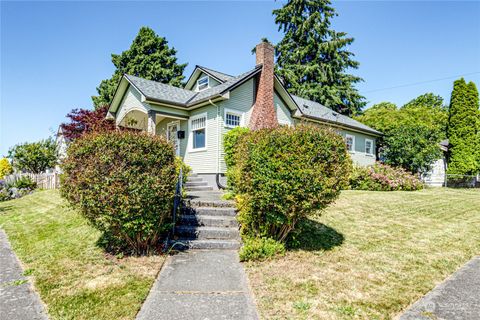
x: 148, y: 57
x: 313, y: 60
x: 462, y: 129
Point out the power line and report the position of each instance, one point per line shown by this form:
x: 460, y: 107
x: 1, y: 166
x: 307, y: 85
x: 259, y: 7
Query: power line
x: 422, y: 82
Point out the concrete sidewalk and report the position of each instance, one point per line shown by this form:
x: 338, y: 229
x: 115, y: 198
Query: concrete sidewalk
x: 200, y: 285
x: 18, y: 301
x: 458, y: 297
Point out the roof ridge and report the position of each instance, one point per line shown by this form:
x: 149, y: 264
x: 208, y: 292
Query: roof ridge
x: 210, y: 69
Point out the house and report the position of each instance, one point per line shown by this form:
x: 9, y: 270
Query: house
x: 196, y: 117
x: 435, y: 177
x: 61, y: 143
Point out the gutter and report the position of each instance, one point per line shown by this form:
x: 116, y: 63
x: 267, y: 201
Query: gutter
x: 340, y: 125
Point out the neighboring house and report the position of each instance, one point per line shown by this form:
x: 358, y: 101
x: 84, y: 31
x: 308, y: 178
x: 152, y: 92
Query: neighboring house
x: 436, y: 176
x: 62, y: 144
x: 211, y: 103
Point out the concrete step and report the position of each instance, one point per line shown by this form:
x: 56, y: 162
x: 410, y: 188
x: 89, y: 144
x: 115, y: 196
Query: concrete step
x: 200, y: 188
x: 208, y: 221
x: 203, y: 233
x: 183, y: 244
x: 194, y: 179
x: 196, y: 184
x: 195, y: 203
x: 192, y: 175
x: 210, y: 211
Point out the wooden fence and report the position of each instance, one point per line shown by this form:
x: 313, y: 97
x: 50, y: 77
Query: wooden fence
x: 43, y: 180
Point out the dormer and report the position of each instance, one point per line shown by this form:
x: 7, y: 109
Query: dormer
x: 203, y: 78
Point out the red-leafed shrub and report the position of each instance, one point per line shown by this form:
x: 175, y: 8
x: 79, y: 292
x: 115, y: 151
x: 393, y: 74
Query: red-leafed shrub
x: 123, y: 183
x: 381, y: 177
x: 83, y: 121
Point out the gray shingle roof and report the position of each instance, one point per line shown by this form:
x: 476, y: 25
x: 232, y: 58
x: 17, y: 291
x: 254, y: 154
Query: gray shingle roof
x: 315, y: 110
x: 159, y: 91
x: 217, y: 74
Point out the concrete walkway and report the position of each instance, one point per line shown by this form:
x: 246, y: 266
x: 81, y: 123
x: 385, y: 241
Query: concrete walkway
x: 200, y: 285
x: 458, y: 297
x: 18, y: 301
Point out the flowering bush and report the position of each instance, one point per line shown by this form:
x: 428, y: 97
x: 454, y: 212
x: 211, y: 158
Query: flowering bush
x: 381, y: 177
x: 16, y: 189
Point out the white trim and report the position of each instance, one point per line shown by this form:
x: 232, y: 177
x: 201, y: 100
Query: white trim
x: 371, y: 147
x: 234, y: 112
x: 190, y: 132
x: 200, y: 79
x: 353, y: 142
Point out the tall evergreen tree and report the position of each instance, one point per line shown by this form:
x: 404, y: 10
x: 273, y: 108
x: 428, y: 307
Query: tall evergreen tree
x: 312, y: 58
x: 148, y: 57
x: 462, y: 129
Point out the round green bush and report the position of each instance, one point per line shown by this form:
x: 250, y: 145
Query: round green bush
x: 123, y: 183
x: 285, y: 174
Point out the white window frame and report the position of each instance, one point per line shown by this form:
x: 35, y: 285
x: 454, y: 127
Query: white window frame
x: 190, y: 135
x: 234, y: 112
x: 353, y: 142
x: 200, y: 79
x: 371, y: 147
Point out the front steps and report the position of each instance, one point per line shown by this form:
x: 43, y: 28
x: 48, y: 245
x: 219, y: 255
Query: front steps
x: 196, y: 183
x: 207, y: 222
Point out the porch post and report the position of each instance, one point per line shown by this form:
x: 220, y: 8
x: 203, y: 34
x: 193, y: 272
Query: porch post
x: 152, y: 122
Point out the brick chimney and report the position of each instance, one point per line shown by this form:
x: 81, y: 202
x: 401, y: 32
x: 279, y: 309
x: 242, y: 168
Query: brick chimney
x: 263, y: 114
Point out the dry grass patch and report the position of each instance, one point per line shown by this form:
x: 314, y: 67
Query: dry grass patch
x: 370, y: 255
x: 74, y: 278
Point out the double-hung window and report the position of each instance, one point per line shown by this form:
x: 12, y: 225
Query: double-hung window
x: 350, y: 141
x: 369, y: 146
x: 202, y: 83
x: 198, y: 126
x: 232, y: 118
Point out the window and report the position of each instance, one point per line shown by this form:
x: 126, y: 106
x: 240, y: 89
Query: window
x: 198, y: 128
x: 350, y: 141
x: 369, y: 146
x: 202, y: 83
x: 232, y: 118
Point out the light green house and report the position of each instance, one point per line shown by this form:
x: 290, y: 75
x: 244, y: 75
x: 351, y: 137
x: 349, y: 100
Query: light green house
x: 211, y: 103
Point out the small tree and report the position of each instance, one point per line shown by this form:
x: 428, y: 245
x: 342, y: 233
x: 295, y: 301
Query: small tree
x: 83, y: 121
x: 34, y: 157
x: 5, y: 168
x: 463, y: 129
x: 148, y: 57
x: 412, y: 147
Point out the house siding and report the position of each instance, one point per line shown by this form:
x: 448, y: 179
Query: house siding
x: 131, y: 102
x: 359, y: 156
x: 284, y: 116
x: 211, y: 81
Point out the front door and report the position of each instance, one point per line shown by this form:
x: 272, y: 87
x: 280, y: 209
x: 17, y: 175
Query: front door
x: 172, y: 129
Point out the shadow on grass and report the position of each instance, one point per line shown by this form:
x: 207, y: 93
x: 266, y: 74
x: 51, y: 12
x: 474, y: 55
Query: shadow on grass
x: 5, y: 209
x: 313, y: 236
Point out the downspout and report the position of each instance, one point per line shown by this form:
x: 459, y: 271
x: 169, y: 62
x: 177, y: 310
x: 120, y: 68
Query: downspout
x: 217, y: 175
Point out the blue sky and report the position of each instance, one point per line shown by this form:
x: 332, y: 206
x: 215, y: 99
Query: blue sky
x: 54, y: 54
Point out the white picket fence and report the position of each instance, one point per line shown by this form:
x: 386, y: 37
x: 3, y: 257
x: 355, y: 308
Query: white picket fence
x: 43, y: 180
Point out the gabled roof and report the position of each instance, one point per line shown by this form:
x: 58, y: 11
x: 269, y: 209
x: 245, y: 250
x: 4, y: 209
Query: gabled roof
x: 223, y: 77
x: 217, y: 75
x: 314, y: 110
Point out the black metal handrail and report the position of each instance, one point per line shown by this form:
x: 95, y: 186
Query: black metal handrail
x: 177, y: 199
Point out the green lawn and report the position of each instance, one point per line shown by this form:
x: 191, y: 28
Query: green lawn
x: 370, y: 255
x: 73, y: 276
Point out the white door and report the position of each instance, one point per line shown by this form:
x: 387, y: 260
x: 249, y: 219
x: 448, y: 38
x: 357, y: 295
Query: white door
x: 172, y: 129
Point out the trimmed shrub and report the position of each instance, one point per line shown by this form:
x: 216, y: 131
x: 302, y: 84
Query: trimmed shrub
x: 284, y: 174
x: 260, y: 249
x: 123, y: 183
x: 381, y: 177
x: 230, y: 141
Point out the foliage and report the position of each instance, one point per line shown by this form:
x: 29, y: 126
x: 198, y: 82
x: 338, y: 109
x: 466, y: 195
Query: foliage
x: 149, y: 57
x: 464, y: 129
x: 230, y: 141
x: 380, y: 177
x: 185, y: 169
x: 16, y: 189
x: 123, y: 183
x: 312, y: 57
x: 254, y: 249
x: 35, y: 157
x: 412, y: 147
x: 83, y: 121
x: 5, y: 168
x: 284, y: 174
x: 23, y: 182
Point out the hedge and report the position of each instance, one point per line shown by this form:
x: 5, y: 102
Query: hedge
x: 284, y: 174
x: 382, y: 177
x: 123, y: 183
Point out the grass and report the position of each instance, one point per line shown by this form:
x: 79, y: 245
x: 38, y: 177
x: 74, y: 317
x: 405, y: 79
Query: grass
x: 370, y: 255
x: 74, y: 278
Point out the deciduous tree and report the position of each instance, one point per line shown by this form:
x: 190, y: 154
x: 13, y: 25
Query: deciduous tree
x: 35, y: 157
